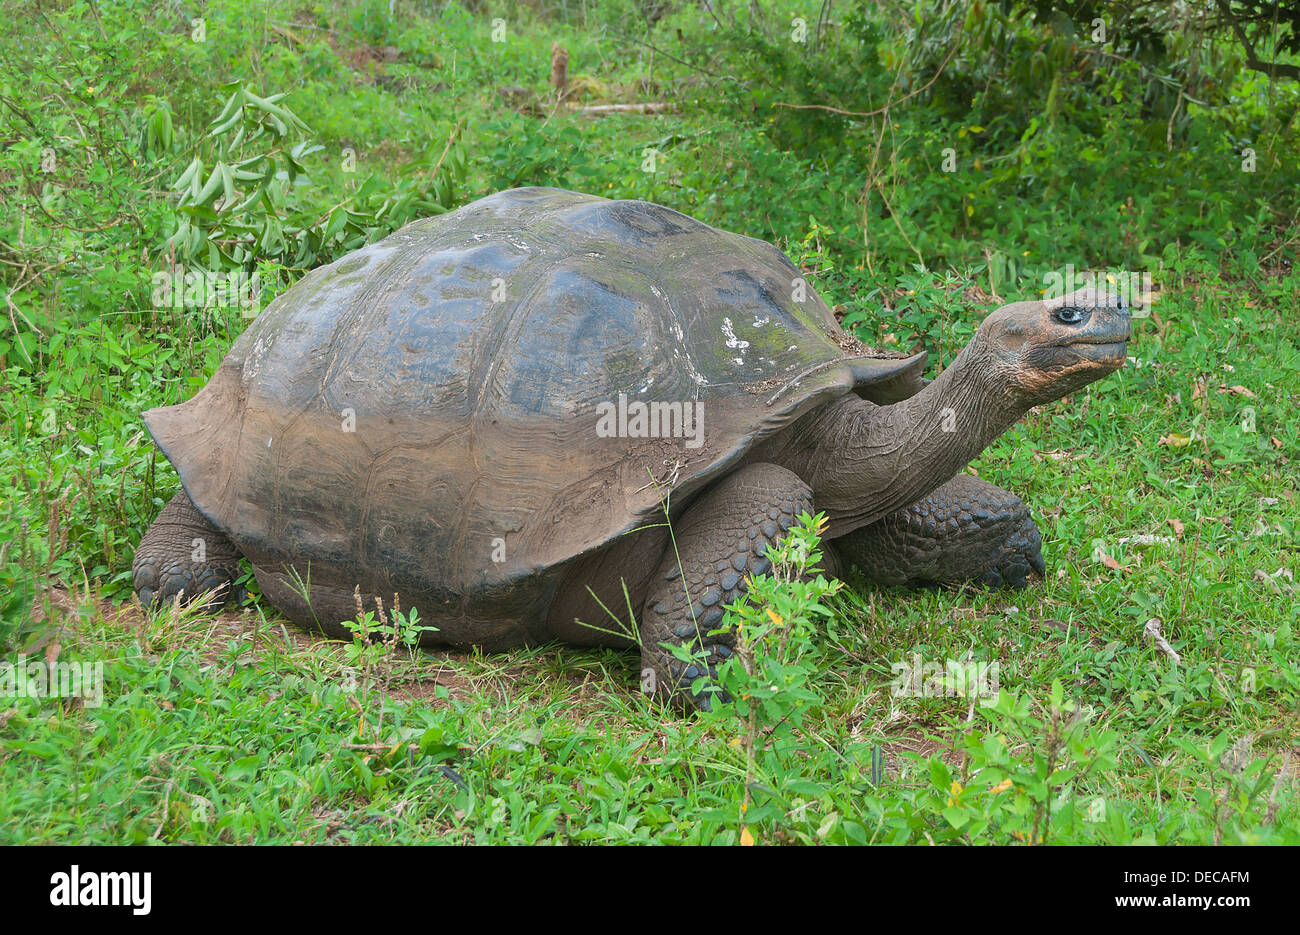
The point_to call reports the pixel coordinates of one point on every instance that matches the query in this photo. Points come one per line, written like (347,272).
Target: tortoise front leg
(183,552)
(966,530)
(722,538)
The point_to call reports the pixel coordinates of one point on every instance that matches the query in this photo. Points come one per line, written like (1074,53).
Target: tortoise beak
(1103,335)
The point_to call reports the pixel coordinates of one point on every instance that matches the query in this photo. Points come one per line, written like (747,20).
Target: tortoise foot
(721,540)
(1020,556)
(184,554)
(968,531)
(683,676)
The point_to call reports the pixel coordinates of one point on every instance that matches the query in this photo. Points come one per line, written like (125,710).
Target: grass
(1166,491)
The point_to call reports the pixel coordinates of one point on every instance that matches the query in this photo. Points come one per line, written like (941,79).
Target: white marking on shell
(730,332)
(760,322)
(256,356)
(699,378)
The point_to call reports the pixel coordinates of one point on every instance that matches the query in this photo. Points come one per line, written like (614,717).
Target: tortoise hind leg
(721,538)
(967,530)
(183,552)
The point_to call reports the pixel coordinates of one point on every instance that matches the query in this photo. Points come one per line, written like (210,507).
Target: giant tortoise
(488,413)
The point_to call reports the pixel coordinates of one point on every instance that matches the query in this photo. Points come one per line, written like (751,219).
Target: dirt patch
(424,690)
(899,742)
(897,753)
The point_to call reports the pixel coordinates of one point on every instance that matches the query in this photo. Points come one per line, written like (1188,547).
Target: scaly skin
(967,530)
(722,538)
(164,563)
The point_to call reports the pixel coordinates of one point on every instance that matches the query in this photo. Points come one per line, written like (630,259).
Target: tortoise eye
(1071,314)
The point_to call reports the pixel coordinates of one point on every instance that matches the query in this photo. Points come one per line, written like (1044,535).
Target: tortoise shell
(424,416)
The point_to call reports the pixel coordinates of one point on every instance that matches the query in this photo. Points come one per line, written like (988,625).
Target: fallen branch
(379,747)
(1152,629)
(655,107)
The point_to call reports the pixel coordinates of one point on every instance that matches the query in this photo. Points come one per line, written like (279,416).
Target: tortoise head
(1043,350)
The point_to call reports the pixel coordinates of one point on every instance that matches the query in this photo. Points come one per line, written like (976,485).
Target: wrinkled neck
(868,460)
